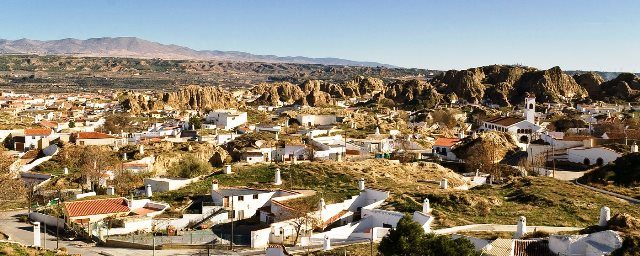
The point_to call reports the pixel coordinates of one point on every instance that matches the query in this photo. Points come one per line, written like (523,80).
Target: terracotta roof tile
(93,135)
(97,206)
(446,142)
(504,120)
(37,132)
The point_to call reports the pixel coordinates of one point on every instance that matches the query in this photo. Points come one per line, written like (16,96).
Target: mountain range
(139,48)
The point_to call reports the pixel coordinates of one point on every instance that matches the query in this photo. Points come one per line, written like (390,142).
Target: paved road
(23,233)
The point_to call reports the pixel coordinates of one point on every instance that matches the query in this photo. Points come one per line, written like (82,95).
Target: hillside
(140,48)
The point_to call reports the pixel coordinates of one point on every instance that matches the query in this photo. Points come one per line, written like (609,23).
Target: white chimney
(66,171)
(141,149)
(277,179)
(361,184)
(521,229)
(227,169)
(277,135)
(111,191)
(426,208)
(605,215)
(377,130)
(214,186)
(326,245)
(36,234)
(321,205)
(444,184)
(634,148)
(147,191)
(461,135)
(124,157)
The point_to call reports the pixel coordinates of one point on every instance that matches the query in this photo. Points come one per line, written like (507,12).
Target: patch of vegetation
(624,173)
(190,167)
(21,250)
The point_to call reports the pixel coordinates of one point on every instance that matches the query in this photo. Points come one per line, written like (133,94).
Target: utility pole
(233,216)
(58,221)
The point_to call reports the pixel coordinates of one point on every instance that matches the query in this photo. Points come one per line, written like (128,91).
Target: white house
(590,155)
(32,138)
(442,148)
(227,119)
(314,120)
(244,202)
(521,129)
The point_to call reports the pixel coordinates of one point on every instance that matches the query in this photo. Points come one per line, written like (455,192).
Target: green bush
(190,167)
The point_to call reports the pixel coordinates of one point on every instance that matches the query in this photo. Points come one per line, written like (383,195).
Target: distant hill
(140,48)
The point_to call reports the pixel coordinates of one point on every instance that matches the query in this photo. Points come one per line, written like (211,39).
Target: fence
(198,237)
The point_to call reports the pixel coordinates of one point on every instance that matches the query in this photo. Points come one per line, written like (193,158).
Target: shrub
(190,167)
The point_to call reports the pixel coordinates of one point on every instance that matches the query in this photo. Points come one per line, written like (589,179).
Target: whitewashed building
(227,119)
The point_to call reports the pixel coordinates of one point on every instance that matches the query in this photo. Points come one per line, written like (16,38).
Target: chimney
(124,157)
(461,135)
(521,229)
(605,215)
(214,185)
(66,171)
(444,184)
(321,205)
(426,208)
(277,179)
(148,192)
(634,148)
(141,148)
(361,184)
(111,191)
(326,245)
(227,169)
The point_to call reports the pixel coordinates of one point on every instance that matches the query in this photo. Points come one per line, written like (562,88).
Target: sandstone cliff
(625,87)
(591,82)
(191,97)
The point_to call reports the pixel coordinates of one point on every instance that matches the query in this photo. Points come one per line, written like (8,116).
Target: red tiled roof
(37,132)
(504,120)
(93,135)
(97,206)
(446,142)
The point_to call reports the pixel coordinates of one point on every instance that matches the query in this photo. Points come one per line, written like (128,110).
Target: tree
(93,162)
(195,122)
(299,215)
(72,124)
(190,167)
(115,123)
(126,181)
(408,238)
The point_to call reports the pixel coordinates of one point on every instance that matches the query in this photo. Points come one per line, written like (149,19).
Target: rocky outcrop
(191,97)
(467,84)
(591,82)
(412,93)
(550,85)
(273,93)
(625,87)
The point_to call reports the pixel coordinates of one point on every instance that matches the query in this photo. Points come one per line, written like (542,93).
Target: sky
(573,34)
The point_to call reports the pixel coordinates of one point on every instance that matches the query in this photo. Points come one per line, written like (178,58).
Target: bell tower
(530,109)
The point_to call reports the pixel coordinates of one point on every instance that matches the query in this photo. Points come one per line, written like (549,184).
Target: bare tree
(301,217)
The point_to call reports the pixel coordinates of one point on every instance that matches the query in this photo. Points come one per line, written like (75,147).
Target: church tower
(530,109)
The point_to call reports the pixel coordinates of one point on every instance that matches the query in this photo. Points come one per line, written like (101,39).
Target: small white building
(227,119)
(442,147)
(590,155)
(244,202)
(314,120)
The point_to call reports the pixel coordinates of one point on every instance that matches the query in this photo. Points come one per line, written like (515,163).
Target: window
(240,198)
(530,105)
(255,196)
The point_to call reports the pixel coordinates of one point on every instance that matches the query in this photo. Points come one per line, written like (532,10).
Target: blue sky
(573,34)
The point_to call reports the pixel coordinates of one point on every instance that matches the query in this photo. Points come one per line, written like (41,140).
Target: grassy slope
(544,201)
(19,250)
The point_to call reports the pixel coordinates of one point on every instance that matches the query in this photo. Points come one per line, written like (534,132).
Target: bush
(408,238)
(190,167)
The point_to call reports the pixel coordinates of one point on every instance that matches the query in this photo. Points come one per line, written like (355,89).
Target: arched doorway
(599,161)
(524,139)
(587,161)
